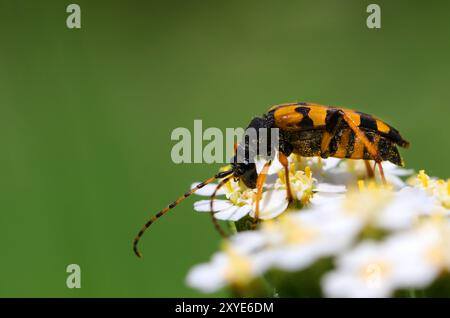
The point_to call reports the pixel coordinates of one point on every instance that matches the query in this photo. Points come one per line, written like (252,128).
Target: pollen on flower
(238,193)
(308,172)
(301,183)
(423,178)
(370,185)
(361,185)
(438,188)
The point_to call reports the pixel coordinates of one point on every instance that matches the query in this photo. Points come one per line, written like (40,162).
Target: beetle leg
(358,132)
(259,187)
(284,161)
(370,171)
(380,167)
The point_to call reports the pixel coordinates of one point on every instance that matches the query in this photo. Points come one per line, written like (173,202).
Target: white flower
(298,239)
(327,194)
(238,203)
(413,259)
(348,172)
(234,266)
(292,242)
(274,168)
(304,188)
(301,183)
(241,200)
(335,206)
(380,207)
(439,189)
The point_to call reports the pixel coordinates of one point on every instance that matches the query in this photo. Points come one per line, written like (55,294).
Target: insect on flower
(308,130)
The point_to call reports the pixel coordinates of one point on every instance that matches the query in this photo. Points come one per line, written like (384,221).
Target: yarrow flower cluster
(346,234)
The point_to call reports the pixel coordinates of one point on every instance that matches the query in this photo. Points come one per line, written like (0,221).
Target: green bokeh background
(86,117)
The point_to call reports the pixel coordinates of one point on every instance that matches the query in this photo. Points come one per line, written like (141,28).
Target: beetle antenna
(211,204)
(172,205)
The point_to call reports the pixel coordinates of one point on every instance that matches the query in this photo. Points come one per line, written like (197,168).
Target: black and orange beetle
(309,130)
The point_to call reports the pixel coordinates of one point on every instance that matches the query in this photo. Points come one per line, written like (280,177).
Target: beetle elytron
(309,130)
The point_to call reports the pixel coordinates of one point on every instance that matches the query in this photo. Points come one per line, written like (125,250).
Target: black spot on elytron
(368,122)
(332,119)
(394,135)
(306,122)
(303,110)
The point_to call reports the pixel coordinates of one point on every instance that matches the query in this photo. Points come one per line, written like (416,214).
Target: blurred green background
(86,117)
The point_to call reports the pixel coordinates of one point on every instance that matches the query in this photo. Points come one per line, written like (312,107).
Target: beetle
(309,130)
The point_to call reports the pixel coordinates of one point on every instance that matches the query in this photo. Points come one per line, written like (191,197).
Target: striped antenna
(220,175)
(211,205)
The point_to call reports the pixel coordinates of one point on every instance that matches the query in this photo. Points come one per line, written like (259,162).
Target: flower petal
(205,205)
(233,213)
(208,189)
(390,168)
(330,188)
(275,166)
(326,198)
(330,163)
(272,204)
(208,277)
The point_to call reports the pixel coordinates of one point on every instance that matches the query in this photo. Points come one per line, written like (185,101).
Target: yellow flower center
(238,193)
(442,192)
(368,200)
(301,182)
(374,272)
(423,178)
(436,255)
(293,231)
(238,272)
(440,189)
